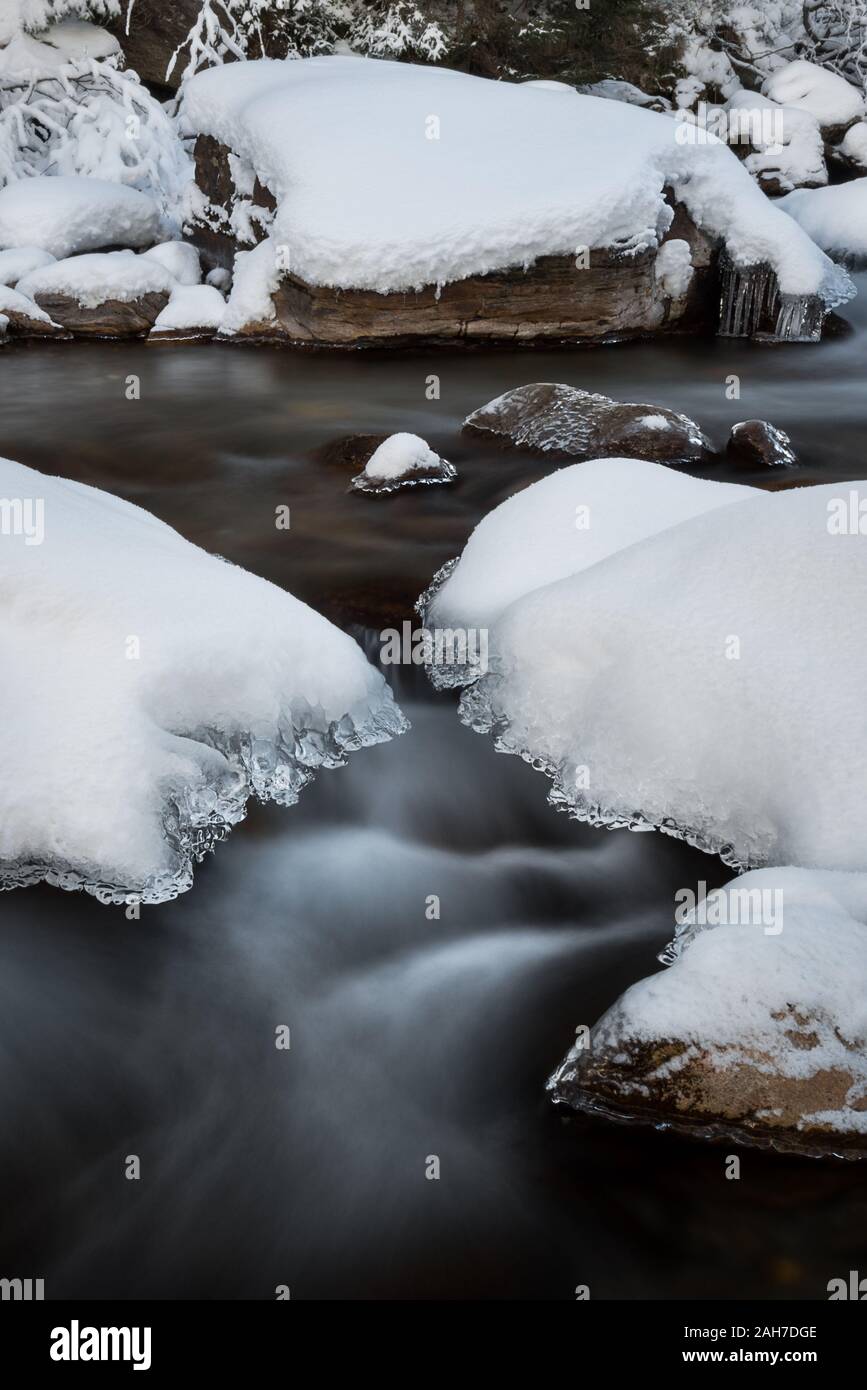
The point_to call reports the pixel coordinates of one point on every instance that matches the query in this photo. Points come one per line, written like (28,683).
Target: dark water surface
(410,1037)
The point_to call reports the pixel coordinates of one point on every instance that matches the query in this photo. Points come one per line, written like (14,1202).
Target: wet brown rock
(735,1092)
(566,422)
(114,318)
(758,444)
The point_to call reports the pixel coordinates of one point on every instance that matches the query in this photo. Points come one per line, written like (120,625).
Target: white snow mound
(179,258)
(835,217)
(20,261)
(391,176)
(68,214)
(707,680)
(824,94)
(192,307)
(149,690)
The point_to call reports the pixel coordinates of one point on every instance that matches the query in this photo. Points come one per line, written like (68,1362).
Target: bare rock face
(149,35)
(758,444)
(114,318)
(566,422)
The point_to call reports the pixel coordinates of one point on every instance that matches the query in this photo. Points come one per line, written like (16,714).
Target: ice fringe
(196,820)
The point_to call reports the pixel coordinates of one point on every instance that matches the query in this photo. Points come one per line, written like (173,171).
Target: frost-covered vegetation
(67,106)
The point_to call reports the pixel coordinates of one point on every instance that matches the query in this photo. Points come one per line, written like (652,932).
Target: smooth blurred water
(409,1037)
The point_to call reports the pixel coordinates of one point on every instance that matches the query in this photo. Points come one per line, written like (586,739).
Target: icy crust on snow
(150,689)
(558,527)
(92,279)
(707,681)
(391,176)
(835,217)
(790,1001)
(67,214)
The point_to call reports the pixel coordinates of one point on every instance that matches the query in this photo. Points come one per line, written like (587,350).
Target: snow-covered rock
(698,681)
(758,444)
(149,690)
(179,258)
(852,149)
(104,294)
(92,279)
(560,526)
(20,261)
(76,39)
(66,215)
(566,422)
(835,217)
(193,311)
(24,316)
(615,90)
(402,460)
(833,101)
(758,1029)
(788,150)
(376,191)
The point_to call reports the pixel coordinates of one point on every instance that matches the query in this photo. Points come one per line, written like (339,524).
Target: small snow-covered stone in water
(24,315)
(824,94)
(402,460)
(194,311)
(17,263)
(756,444)
(673,267)
(107,294)
(566,422)
(69,214)
(835,218)
(149,691)
(758,1029)
(179,258)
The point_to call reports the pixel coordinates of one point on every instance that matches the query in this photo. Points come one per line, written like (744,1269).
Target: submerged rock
(566,422)
(756,1032)
(756,443)
(402,460)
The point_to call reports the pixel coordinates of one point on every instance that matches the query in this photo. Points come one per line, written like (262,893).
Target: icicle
(800,318)
(751,306)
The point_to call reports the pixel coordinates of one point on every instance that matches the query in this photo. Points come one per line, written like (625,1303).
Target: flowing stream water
(409,1037)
